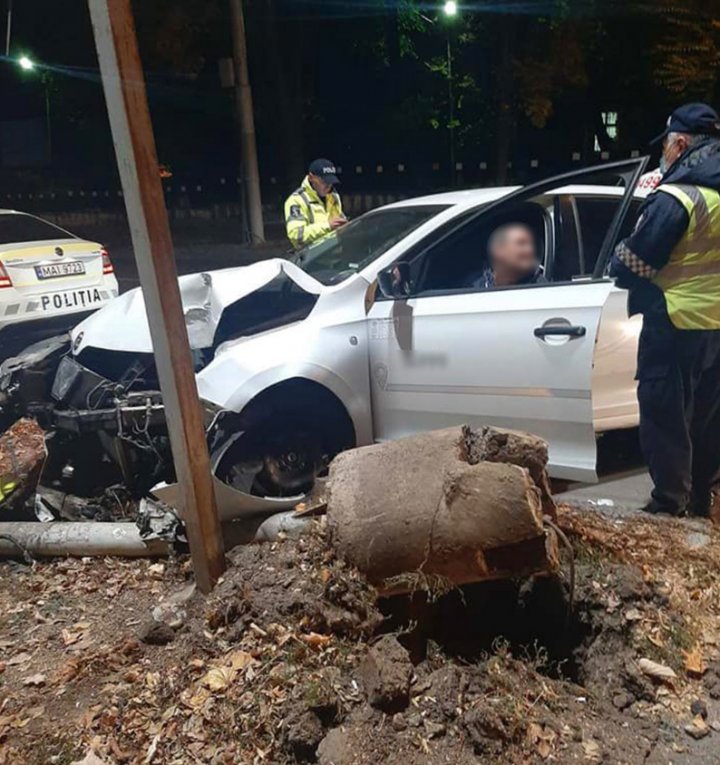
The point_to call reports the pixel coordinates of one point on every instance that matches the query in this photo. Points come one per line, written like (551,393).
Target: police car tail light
(108,267)
(5,280)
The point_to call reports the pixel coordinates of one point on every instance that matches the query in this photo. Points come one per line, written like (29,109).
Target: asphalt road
(624,485)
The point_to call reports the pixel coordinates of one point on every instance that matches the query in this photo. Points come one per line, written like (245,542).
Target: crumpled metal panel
(231,503)
(122,325)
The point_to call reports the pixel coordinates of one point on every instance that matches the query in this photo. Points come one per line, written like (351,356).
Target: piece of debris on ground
(293,659)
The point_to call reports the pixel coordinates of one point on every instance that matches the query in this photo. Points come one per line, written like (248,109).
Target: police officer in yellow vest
(671,265)
(315,210)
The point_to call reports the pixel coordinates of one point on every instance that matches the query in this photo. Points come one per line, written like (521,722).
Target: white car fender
(332,355)
(352,399)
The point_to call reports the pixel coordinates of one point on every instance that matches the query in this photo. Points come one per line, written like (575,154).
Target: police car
(49,280)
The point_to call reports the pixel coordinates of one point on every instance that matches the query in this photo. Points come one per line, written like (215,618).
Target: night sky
(363,82)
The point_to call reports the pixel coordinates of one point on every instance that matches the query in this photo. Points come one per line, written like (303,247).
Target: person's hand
(336,223)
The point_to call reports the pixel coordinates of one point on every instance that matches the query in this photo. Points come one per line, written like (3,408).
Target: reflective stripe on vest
(308,204)
(691,279)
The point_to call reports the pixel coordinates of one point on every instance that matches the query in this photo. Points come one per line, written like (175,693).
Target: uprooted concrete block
(22,455)
(417,509)
(386,673)
(514,448)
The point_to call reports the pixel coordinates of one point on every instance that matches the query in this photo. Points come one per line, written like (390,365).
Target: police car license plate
(71,301)
(73,268)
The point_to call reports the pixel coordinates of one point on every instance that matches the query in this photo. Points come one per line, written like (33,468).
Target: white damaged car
(373,335)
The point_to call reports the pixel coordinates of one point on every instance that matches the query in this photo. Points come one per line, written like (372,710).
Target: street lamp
(28,65)
(449,10)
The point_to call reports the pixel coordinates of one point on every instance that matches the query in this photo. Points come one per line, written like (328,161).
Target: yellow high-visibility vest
(691,279)
(307,216)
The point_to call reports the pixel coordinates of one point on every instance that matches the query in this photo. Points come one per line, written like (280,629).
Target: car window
(362,241)
(16,227)
(459,261)
(594,215)
(449,259)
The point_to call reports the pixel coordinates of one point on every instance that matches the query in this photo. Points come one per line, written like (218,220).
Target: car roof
(473,197)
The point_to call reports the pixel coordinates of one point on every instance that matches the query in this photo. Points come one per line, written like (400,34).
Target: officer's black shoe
(654,507)
(700,505)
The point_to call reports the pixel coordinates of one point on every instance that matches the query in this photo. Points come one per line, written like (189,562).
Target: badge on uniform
(296,213)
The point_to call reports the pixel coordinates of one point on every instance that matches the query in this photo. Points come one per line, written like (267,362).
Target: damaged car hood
(206,297)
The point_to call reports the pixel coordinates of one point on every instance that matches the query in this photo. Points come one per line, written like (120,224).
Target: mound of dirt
(292,660)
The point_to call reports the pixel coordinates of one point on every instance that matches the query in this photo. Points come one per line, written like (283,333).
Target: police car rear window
(16,228)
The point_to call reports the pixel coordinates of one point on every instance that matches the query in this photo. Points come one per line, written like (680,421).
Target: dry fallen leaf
(694,662)
(21,658)
(38,679)
(157,570)
(218,678)
(698,728)
(239,660)
(592,750)
(317,641)
(656,671)
(541,738)
(90,759)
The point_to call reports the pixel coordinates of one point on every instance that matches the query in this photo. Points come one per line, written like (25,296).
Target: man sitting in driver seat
(512,259)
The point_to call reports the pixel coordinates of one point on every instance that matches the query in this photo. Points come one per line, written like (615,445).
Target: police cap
(324,169)
(693,119)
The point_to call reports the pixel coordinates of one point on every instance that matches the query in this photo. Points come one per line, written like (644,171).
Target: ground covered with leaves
(292,659)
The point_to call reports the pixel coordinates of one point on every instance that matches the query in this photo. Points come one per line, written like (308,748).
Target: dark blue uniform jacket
(661,224)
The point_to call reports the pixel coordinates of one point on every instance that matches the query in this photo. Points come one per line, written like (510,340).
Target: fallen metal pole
(92,539)
(49,540)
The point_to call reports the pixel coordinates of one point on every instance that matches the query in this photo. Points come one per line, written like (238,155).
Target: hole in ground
(530,617)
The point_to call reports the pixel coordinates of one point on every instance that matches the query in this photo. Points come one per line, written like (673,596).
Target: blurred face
(514,253)
(320,185)
(674,146)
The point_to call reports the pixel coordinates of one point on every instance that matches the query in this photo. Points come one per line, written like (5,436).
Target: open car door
(447,352)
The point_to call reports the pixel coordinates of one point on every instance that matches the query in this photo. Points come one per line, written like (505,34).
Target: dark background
(363,82)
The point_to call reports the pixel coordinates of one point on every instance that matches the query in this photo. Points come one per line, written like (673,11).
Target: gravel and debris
(292,659)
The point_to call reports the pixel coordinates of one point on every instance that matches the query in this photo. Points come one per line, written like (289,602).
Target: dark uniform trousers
(679,396)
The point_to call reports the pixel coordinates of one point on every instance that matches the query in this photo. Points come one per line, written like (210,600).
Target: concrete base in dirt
(420,510)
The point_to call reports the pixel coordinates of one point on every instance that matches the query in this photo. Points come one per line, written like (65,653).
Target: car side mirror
(395,282)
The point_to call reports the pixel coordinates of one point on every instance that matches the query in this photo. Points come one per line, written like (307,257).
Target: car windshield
(16,227)
(354,246)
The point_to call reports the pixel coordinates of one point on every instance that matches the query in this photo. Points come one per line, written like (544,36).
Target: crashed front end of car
(97,390)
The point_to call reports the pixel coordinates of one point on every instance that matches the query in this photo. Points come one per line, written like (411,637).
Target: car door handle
(560,330)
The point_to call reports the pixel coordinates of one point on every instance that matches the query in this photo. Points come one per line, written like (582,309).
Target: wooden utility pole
(124,85)
(246,117)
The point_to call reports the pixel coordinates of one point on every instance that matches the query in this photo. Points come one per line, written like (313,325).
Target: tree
(687,51)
